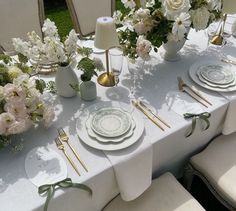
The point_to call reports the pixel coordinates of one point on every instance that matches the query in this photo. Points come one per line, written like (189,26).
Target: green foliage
(75,87)
(88,67)
(5,58)
(4,77)
(40,85)
(85,51)
(51,87)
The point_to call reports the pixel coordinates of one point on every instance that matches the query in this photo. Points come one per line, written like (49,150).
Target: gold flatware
(194,93)
(64,137)
(61,147)
(153,113)
(136,104)
(229,61)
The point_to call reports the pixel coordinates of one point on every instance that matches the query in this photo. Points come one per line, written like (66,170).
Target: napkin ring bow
(50,189)
(202,116)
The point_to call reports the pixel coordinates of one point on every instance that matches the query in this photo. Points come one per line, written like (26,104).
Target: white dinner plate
(113,139)
(216,73)
(110,122)
(210,61)
(225,86)
(110,146)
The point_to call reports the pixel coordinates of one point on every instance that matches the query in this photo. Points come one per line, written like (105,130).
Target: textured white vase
(88,90)
(64,77)
(171,50)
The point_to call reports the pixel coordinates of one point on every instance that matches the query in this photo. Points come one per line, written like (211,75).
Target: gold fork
(61,147)
(63,136)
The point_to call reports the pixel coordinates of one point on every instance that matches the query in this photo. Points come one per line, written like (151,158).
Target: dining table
(128,170)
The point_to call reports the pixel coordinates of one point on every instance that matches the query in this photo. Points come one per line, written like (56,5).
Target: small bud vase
(171,50)
(66,76)
(88,90)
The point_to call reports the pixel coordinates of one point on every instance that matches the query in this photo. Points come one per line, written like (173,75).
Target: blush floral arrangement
(147,23)
(22,104)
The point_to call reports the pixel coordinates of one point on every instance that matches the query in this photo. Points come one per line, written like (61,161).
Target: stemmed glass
(116,62)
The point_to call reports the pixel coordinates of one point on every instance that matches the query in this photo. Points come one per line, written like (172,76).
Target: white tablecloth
(171,149)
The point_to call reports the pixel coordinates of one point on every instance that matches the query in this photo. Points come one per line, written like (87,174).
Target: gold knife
(154,114)
(190,92)
(136,104)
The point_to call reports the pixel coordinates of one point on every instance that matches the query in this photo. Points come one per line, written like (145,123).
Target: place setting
(214,74)
(109,126)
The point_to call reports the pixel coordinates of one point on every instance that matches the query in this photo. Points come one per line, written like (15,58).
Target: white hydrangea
(200,18)
(21,46)
(71,43)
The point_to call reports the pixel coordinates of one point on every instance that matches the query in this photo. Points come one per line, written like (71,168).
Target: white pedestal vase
(171,50)
(88,90)
(64,77)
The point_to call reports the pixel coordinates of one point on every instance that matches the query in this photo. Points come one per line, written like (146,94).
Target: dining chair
(164,194)
(216,166)
(18,18)
(84,13)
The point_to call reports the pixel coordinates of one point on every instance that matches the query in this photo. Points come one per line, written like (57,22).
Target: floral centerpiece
(147,23)
(50,49)
(22,105)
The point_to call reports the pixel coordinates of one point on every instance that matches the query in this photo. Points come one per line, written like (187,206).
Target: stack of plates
(107,126)
(213,74)
(216,75)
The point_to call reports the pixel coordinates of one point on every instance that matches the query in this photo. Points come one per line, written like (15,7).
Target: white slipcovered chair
(165,194)
(19,17)
(84,13)
(216,166)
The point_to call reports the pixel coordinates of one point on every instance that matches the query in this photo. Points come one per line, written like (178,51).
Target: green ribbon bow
(50,189)
(202,116)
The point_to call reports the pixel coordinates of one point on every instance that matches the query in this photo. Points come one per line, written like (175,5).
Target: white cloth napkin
(229,125)
(133,168)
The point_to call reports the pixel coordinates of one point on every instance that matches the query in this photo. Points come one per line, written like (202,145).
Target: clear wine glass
(116,62)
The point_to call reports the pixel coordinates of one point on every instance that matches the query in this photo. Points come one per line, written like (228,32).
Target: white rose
(173,8)
(142,13)
(200,18)
(143,47)
(214,5)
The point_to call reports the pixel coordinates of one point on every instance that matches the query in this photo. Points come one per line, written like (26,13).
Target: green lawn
(60,15)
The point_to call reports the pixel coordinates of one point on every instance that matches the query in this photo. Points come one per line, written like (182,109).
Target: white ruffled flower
(200,18)
(14,72)
(143,47)
(6,120)
(142,13)
(180,26)
(129,4)
(143,21)
(20,126)
(173,8)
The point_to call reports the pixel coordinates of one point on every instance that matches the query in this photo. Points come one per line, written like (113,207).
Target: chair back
(19,17)
(84,13)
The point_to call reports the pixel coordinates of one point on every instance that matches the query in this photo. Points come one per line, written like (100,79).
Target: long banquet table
(171,150)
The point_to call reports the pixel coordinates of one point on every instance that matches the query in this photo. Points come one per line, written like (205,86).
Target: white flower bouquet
(50,49)
(147,23)
(22,105)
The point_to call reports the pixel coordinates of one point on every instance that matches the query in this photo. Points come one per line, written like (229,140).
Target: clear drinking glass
(116,62)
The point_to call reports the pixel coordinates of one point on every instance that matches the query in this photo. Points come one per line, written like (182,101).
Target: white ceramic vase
(88,90)
(64,77)
(171,50)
